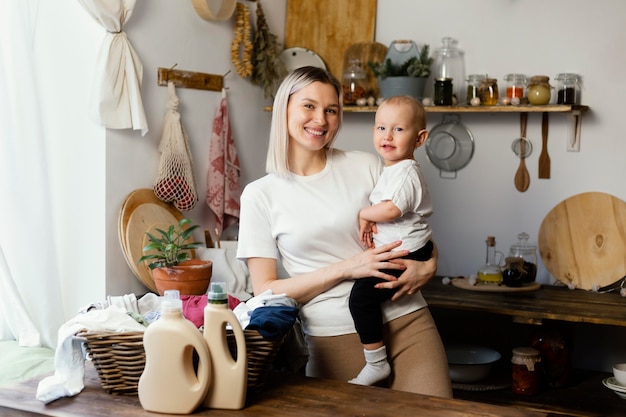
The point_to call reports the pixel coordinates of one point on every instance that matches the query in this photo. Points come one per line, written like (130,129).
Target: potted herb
(170,257)
(406,78)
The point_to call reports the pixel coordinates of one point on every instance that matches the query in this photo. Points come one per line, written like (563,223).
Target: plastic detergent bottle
(230,375)
(169,382)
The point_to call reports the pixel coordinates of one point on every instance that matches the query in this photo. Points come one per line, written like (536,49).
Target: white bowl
(619,372)
(470,363)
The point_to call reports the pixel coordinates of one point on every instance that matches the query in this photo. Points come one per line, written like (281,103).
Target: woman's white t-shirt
(312,221)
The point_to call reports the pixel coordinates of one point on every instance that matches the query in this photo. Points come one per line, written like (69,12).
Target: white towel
(69,357)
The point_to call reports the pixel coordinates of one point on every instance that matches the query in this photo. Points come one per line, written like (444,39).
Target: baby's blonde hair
(419,114)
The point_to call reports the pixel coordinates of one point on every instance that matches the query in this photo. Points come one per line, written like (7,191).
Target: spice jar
(488,91)
(539,90)
(473,86)
(354,79)
(516,85)
(443,92)
(526,370)
(568,89)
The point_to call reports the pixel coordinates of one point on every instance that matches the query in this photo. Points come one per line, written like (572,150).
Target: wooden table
(284,396)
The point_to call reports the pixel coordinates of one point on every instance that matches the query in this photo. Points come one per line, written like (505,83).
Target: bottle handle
(204,364)
(499,258)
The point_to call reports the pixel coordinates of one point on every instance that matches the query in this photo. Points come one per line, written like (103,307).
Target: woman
(305,211)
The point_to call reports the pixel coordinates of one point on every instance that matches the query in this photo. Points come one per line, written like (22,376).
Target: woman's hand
(370,262)
(416,275)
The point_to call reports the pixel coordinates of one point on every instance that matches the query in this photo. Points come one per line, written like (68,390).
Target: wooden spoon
(522,178)
(544,158)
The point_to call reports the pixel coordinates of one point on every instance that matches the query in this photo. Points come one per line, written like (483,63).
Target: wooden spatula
(544,158)
(522,178)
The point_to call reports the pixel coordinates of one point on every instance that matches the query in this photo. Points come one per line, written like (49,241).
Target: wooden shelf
(549,302)
(503,320)
(550,108)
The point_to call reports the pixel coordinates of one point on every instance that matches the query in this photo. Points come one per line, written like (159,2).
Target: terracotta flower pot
(191,277)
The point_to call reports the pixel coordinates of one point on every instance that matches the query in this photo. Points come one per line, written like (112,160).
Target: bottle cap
(218,293)
(171,301)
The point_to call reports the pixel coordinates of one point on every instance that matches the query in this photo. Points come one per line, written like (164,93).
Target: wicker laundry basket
(119,358)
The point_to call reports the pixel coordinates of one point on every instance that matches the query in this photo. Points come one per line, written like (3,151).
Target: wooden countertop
(285,396)
(548,302)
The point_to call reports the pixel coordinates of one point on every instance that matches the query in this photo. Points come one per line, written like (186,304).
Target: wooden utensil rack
(191,79)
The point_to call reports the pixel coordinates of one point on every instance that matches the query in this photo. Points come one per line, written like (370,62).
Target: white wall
(498,37)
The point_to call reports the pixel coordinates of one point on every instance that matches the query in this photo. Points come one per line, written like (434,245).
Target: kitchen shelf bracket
(573,140)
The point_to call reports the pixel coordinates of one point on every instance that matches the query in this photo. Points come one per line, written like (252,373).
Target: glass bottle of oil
(490,272)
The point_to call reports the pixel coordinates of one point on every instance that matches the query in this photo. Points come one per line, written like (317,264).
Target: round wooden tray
(464,283)
(582,240)
(142,212)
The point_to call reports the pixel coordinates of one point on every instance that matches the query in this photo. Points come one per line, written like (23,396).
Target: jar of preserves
(539,90)
(488,92)
(473,86)
(568,89)
(515,85)
(526,375)
(443,92)
(354,79)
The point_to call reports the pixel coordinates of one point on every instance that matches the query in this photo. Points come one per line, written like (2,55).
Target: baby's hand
(366,230)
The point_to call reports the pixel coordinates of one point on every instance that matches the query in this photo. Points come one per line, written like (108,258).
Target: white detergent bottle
(169,382)
(230,376)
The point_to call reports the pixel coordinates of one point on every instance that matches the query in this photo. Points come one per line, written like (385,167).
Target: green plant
(416,66)
(171,247)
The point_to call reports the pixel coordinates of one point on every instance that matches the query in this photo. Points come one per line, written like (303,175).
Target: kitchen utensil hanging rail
(190,79)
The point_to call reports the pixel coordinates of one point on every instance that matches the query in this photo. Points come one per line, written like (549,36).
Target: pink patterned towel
(223,188)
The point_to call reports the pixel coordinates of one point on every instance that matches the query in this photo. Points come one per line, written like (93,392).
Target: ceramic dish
(297,57)
(450,145)
(612,383)
(617,389)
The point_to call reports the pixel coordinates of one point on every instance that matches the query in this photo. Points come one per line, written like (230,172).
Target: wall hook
(190,79)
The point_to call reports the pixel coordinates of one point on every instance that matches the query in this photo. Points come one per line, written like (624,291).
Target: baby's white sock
(376,367)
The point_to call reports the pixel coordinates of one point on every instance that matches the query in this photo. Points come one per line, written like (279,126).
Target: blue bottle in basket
(230,376)
(169,382)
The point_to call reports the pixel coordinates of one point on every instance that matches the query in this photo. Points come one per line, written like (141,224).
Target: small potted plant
(170,258)
(406,78)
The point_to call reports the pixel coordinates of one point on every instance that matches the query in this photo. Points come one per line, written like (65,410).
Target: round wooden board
(146,218)
(134,200)
(366,52)
(582,240)
(462,282)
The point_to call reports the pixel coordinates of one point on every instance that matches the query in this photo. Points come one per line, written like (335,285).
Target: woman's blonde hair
(277,161)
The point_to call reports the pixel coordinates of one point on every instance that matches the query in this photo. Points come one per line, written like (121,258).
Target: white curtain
(30,289)
(117,97)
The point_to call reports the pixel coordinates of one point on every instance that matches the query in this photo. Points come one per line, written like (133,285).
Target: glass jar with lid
(521,264)
(515,85)
(568,89)
(539,90)
(449,62)
(354,83)
(526,363)
(488,91)
(473,86)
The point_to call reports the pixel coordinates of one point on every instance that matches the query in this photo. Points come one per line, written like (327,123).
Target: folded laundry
(273,322)
(69,357)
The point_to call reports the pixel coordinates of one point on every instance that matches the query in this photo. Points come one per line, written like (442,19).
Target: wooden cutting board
(329,27)
(582,240)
